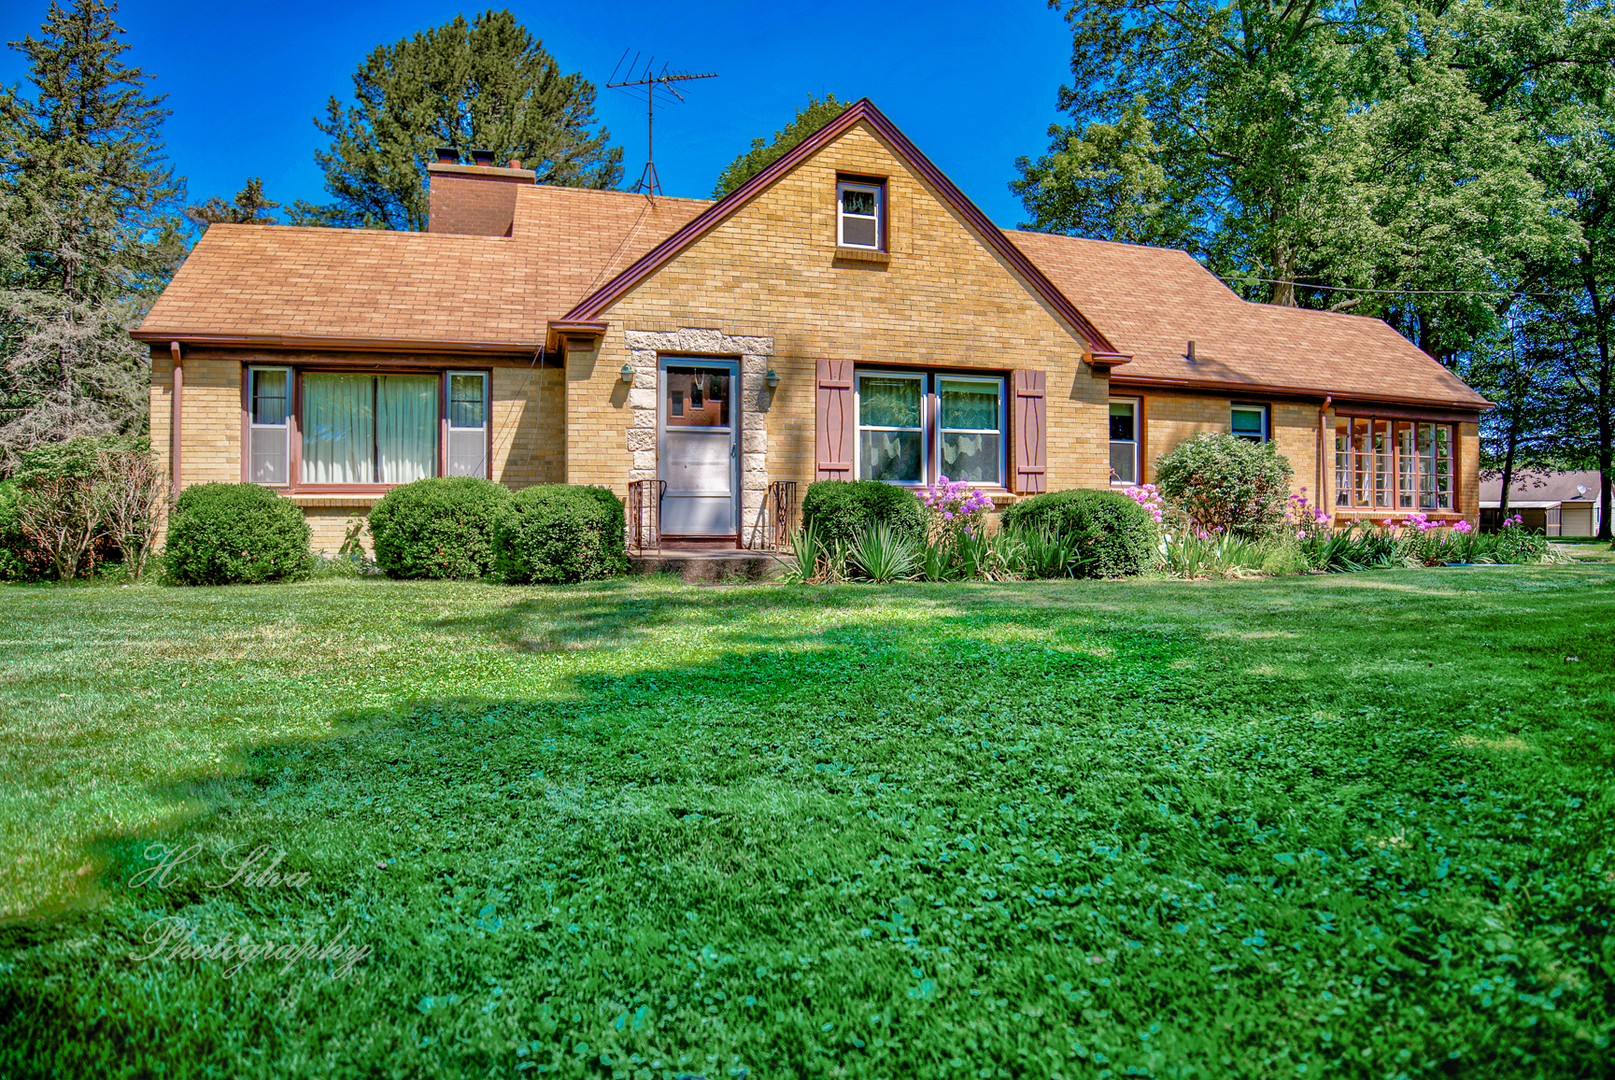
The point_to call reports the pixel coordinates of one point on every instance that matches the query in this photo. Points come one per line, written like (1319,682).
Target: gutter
(337,344)
(1224,386)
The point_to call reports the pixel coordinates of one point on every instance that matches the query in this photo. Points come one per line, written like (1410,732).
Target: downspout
(174,425)
(1323,448)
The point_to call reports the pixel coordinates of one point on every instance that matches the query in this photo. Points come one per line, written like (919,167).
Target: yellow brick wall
(944,300)
(529,426)
(1169,419)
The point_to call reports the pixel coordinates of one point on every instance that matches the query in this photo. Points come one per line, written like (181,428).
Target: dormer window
(859,212)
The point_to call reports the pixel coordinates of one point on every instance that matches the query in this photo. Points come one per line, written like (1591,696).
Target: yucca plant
(938,561)
(808,550)
(1049,553)
(881,554)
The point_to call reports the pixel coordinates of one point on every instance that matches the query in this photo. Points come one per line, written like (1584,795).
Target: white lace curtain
(369,429)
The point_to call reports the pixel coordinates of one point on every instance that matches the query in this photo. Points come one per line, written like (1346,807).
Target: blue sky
(972,84)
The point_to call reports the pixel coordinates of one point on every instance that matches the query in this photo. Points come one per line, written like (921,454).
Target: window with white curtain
(358,428)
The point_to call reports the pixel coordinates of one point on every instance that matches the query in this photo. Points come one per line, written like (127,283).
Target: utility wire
(1387,292)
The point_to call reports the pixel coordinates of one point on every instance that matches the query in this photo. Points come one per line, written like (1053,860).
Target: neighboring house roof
(277,284)
(863,110)
(1154,301)
(1531,488)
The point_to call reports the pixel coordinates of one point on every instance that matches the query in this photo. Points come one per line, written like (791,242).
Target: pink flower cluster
(1515,522)
(1308,520)
(1150,498)
(956,505)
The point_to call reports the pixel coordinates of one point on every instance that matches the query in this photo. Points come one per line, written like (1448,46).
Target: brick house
(846,313)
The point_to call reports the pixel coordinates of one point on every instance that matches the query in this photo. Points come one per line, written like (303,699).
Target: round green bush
(19,559)
(1225,483)
(235,534)
(842,509)
(1122,534)
(555,533)
(438,528)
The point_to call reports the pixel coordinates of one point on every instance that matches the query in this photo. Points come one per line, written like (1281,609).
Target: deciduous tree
(809,118)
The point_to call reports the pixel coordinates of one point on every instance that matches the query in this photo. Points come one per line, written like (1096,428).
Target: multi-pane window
(1393,464)
(358,428)
(269,393)
(468,423)
(916,427)
(858,214)
(1248,422)
(1124,442)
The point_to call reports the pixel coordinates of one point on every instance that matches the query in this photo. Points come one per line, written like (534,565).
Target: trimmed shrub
(1119,535)
(438,528)
(1226,484)
(555,533)
(235,534)
(844,509)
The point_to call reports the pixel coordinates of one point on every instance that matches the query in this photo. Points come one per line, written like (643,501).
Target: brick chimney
(473,200)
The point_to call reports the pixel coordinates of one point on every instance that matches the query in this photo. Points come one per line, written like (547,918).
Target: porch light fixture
(627,372)
(772,378)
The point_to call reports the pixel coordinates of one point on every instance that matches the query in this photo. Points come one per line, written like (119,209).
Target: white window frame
(1138,409)
(450,429)
(284,427)
(937,378)
(930,429)
(879,216)
(1260,410)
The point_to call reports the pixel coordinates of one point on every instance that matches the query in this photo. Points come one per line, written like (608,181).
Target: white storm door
(698,426)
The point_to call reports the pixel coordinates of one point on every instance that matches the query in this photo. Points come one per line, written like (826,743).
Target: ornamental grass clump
(1226,484)
(441,527)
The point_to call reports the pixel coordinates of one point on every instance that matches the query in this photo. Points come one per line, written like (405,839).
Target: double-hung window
(1248,422)
(858,215)
(1124,441)
(916,427)
(343,428)
(1393,464)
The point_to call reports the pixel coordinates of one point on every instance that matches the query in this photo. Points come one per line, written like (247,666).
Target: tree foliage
(809,118)
(89,233)
(250,207)
(486,84)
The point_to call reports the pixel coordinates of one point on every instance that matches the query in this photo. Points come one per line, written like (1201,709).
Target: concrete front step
(709,567)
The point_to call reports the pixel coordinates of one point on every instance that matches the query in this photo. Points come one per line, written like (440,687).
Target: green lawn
(1352,825)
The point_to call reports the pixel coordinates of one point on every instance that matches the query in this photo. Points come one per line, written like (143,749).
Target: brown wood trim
(176,447)
(344,344)
(1423,408)
(246,428)
(1144,476)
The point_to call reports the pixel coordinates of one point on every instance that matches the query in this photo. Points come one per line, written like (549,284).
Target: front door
(697,446)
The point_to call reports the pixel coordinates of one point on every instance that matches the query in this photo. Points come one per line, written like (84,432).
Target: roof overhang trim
(1342,400)
(338,344)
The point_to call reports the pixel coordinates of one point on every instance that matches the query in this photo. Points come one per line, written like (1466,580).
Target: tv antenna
(648,181)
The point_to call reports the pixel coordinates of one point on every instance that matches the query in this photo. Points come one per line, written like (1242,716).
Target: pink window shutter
(1031,432)
(837,423)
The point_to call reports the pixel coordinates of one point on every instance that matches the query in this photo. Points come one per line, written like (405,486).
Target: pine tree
(88,233)
(250,207)
(487,84)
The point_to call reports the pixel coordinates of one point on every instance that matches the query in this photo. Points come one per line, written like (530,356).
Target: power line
(1390,292)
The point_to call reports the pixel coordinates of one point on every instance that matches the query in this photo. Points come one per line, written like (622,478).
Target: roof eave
(335,343)
(1166,381)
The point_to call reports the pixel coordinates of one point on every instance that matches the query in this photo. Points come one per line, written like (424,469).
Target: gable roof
(863,110)
(356,288)
(1154,301)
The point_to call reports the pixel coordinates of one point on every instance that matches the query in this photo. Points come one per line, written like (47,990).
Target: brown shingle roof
(298,284)
(1151,302)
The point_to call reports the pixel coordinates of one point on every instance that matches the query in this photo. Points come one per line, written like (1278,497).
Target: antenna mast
(648,181)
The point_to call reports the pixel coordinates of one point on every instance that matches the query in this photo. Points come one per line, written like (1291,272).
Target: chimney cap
(482,157)
(448,155)
(515,163)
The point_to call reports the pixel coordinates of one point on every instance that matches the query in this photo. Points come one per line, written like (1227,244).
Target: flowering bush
(953,508)
(1308,521)
(1225,484)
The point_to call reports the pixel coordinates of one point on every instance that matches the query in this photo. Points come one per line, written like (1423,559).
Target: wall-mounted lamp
(627,372)
(772,378)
